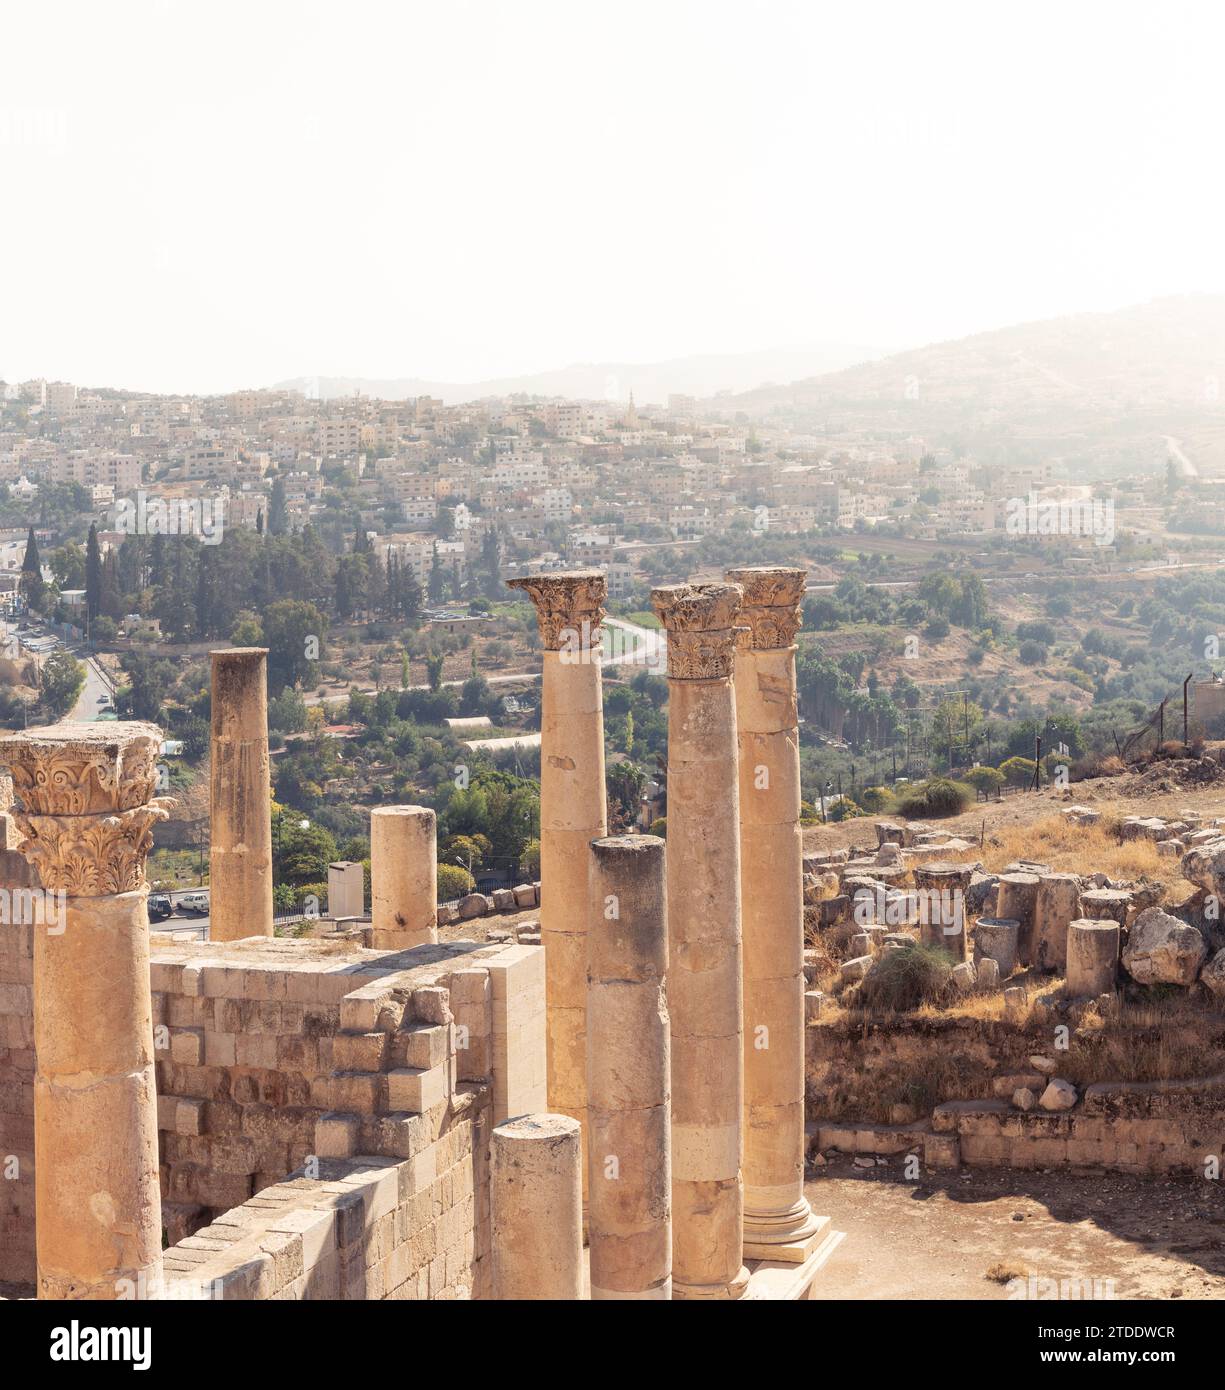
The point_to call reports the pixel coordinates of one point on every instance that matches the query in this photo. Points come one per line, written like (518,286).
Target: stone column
(778,1222)
(704,964)
(942,905)
(1093,957)
(403,877)
(995,939)
(536,1203)
(240,856)
(1056,904)
(1014,902)
(629,1146)
(1102,903)
(569,608)
(87,826)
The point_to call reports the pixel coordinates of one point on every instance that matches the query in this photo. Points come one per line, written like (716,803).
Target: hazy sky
(203,196)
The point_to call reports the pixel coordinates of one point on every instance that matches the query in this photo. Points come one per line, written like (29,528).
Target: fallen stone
(1023,1098)
(1163,950)
(1213,975)
(1043,1065)
(814,1000)
(504,899)
(856,969)
(1059,1095)
(525,895)
(474,905)
(988,974)
(964,976)
(1002,1087)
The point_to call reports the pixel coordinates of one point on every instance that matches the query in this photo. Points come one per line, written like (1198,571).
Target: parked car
(160,907)
(194,902)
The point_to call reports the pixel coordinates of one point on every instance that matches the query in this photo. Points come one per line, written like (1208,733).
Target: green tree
(93,573)
(293,632)
(62,678)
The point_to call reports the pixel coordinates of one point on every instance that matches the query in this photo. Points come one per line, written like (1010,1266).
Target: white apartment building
(418,510)
(120,471)
(340,436)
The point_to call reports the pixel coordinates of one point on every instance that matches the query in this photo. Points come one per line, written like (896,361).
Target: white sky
(204,196)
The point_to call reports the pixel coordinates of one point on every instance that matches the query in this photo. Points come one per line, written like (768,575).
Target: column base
(791,1235)
(781,1282)
(737,1288)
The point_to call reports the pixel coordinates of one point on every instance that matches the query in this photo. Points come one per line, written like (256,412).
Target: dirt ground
(938,1237)
(1110,795)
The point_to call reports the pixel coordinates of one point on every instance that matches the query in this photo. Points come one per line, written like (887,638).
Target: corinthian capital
(772,611)
(91,856)
(83,769)
(569,607)
(701,621)
(88,810)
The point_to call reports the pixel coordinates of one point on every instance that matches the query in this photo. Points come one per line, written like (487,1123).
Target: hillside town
(556,482)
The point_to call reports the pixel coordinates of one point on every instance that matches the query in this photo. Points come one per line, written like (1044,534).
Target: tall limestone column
(704,979)
(240,857)
(570,609)
(87,826)
(628,1062)
(778,1222)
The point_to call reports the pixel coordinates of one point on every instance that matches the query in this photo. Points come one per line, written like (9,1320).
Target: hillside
(1100,389)
(699,375)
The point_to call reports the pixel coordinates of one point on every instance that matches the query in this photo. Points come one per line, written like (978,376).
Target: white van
(193,902)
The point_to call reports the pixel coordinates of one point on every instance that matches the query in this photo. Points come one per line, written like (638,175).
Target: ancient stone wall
(364,1228)
(274,1055)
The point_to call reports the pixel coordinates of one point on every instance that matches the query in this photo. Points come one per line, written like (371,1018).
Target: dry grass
(1079,849)
(1171,1040)
(1002,1273)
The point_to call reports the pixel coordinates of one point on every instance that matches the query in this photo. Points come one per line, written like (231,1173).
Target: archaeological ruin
(620,1103)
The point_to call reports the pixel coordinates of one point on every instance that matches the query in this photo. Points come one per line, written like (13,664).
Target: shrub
(844,809)
(1018,772)
(529,860)
(874,799)
(659,826)
(453,882)
(905,979)
(985,779)
(938,796)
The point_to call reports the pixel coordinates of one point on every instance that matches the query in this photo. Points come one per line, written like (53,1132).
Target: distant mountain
(1108,390)
(703,375)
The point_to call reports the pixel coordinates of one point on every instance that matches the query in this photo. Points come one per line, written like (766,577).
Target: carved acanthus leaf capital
(569,607)
(91,856)
(83,769)
(701,623)
(772,605)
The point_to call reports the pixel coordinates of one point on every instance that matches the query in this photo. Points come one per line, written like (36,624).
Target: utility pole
(1037,762)
(1186,741)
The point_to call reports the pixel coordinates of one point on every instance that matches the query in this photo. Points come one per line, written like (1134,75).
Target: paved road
(96,686)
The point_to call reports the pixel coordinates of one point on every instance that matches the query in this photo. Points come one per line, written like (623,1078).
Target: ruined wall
(364,1228)
(281,1055)
(942,1088)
